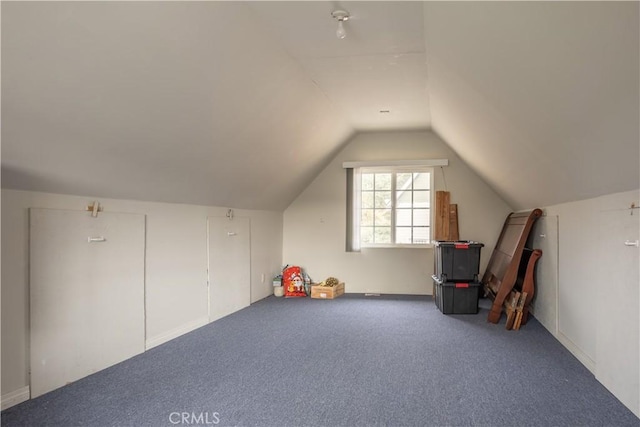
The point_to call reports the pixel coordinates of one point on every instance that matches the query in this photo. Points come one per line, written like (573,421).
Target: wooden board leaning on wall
(446,218)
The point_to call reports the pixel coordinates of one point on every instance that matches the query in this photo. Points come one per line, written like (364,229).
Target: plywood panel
(453,223)
(442,215)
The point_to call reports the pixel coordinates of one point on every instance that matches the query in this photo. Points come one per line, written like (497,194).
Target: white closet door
(618,308)
(87,293)
(229,266)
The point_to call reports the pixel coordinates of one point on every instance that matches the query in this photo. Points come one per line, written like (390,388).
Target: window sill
(425,246)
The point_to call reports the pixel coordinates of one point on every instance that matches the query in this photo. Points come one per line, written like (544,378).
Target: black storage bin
(457,261)
(456,297)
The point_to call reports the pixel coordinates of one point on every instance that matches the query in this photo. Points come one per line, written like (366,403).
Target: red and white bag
(293,282)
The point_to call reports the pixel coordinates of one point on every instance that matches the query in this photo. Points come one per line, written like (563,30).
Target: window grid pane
(421,235)
(421,217)
(404,199)
(382,217)
(382,235)
(367,181)
(366,218)
(421,199)
(382,181)
(366,234)
(421,181)
(382,199)
(403,219)
(403,236)
(367,199)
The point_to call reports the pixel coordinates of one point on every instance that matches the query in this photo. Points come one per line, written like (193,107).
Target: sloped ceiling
(540,98)
(379,66)
(241,104)
(163,101)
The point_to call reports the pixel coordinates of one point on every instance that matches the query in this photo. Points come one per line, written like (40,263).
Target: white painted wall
(544,236)
(176,268)
(315,223)
(312,234)
(583,277)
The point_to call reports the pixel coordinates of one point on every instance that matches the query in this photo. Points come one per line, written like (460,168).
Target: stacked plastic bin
(456,285)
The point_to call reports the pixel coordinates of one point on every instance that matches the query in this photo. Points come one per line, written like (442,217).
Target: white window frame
(353,202)
(352,243)
(357,211)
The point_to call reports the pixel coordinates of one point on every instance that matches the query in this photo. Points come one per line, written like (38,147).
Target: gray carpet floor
(353,361)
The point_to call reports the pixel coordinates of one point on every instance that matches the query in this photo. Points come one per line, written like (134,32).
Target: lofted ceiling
(380,66)
(241,104)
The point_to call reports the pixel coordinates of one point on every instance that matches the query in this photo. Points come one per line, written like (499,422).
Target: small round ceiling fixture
(341,16)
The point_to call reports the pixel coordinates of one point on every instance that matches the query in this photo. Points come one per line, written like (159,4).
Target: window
(389,203)
(394,206)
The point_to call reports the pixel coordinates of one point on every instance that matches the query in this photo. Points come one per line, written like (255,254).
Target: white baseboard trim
(174,333)
(13,398)
(575,350)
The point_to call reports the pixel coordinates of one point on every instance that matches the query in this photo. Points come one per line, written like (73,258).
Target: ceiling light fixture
(341,16)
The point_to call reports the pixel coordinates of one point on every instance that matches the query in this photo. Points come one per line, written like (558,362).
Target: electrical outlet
(262,278)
